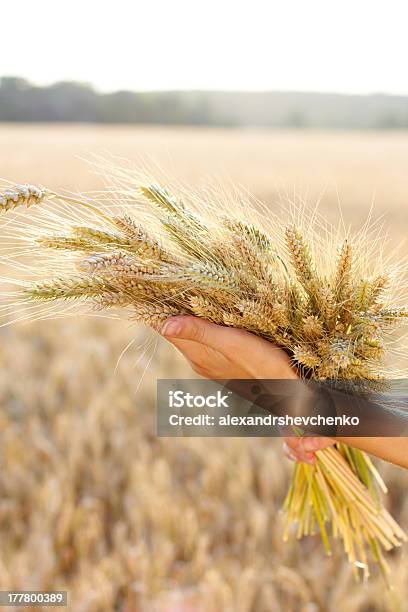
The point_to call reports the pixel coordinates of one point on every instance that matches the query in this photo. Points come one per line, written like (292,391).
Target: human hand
(225,353)
(304,449)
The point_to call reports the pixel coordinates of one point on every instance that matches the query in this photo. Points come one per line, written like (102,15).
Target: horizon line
(202,90)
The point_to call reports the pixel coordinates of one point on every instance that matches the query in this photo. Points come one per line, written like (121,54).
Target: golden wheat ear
(141,242)
(207,308)
(153,314)
(66,243)
(393,314)
(67,288)
(312,327)
(116,264)
(85,239)
(300,256)
(22,195)
(342,279)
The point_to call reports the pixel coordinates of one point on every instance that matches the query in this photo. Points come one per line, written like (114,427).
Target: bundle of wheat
(149,254)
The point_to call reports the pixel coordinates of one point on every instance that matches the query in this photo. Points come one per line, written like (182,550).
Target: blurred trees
(71,101)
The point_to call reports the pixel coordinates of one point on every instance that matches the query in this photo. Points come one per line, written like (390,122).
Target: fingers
(253,357)
(304,449)
(316,443)
(191,328)
(298,455)
(204,360)
(180,327)
(293,448)
(289,453)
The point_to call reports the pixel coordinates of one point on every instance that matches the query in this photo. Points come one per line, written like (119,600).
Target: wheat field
(91,501)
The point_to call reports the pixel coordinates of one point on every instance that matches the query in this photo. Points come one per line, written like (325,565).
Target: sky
(358,46)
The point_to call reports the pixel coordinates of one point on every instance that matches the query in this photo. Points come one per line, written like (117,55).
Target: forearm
(222,353)
(394,450)
(378,415)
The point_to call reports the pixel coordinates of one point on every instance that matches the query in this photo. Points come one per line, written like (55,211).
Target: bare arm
(218,352)
(394,450)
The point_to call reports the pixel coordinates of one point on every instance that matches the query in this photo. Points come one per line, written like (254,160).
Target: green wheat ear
(173,207)
(66,243)
(260,241)
(102,238)
(368,291)
(211,276)
(160,196)
(185,239)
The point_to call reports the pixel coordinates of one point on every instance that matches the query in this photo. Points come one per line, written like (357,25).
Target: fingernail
(171,328)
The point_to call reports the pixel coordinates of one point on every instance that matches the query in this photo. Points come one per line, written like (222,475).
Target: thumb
(316,443)
(192,328)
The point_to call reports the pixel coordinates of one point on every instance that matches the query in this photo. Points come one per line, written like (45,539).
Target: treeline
(78,102)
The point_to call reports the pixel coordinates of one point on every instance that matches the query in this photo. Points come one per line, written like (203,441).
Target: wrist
(282,371)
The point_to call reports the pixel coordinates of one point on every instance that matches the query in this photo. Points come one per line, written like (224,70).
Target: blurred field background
(91,501)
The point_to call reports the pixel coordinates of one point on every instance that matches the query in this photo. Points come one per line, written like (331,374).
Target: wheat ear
(22,195)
